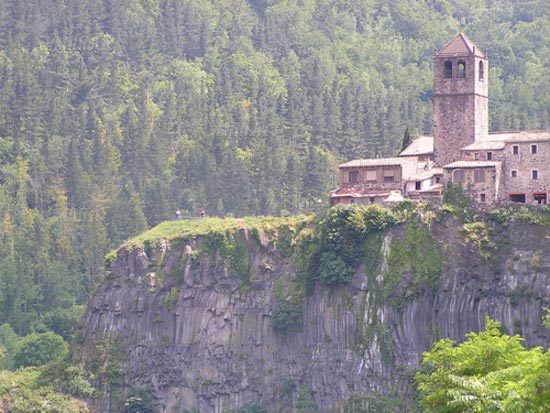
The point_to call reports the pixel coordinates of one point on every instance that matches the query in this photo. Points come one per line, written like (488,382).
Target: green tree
(64,321)
(139,401)
(39,349)
(407,139)
(490,371)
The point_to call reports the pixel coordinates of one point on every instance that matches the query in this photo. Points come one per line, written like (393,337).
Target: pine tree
(407,139)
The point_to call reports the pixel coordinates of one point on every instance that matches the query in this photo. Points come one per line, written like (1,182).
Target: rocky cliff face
(178,318)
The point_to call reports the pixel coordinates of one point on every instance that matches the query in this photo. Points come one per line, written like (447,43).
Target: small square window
(514,174)
(489,156)
(389,175)
(534,149)
(515,150)
(535,174)
(482,198)
(370,176)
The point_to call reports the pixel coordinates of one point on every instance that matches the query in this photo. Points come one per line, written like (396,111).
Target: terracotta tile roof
(357,192)
(519,136)
(426,174)
(374,162)
(423,145)
(436,188)
(472,164)
(460,46)
(484,145)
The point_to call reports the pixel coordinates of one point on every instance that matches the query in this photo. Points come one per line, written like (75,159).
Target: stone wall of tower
(453,123)
(460,111)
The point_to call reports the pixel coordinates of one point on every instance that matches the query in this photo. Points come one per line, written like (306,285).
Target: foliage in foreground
(490,371)
(24,391)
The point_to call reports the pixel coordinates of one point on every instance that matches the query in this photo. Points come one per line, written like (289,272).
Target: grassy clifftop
(406,211)
(173,230)
(372,267)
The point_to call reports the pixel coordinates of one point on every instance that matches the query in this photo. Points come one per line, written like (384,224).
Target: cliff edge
(300,313)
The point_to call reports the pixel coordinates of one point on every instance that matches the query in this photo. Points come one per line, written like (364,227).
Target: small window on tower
(515,150)
(481,71)
(535,174)
(461,70)
(514,174)
(448,69)
(534,149)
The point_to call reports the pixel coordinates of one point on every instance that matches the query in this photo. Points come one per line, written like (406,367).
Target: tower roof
(460,46)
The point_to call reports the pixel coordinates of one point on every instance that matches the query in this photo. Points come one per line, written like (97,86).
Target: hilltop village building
(492,167)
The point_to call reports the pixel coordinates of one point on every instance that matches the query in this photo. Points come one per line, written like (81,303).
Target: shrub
(139,401)
(64,321)
(285,241)
(287,316)
(252,408)
(306,259)
(518,293)
(171,298)
(417,254)
(343,233)
(66,378)
(461,203)
(334,270)
(39,349)
(22,392)
(8,341)
(478,234)
(234,250)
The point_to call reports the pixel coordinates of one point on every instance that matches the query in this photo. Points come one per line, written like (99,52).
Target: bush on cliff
(139,401)
(343,233)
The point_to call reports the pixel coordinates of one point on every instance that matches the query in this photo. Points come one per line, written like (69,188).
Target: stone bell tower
(460,98)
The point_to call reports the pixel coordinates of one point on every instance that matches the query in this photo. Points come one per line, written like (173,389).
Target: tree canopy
(114,114)
(490,371)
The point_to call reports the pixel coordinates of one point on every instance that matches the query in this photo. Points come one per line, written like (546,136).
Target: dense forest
(115,113)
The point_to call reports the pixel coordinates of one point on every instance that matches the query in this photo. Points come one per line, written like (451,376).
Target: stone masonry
(494,168)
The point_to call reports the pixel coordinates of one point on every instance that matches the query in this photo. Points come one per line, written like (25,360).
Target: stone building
(364,181)
(492,167)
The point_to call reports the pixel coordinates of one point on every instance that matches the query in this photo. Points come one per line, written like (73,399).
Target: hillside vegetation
(113,114)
